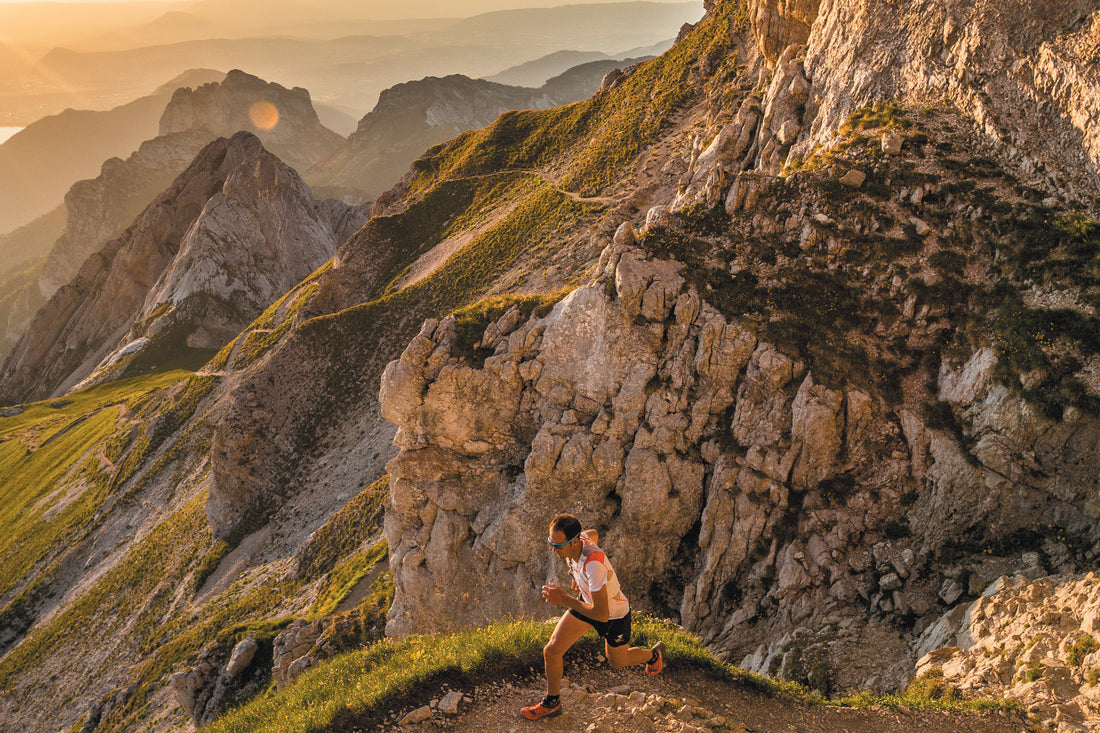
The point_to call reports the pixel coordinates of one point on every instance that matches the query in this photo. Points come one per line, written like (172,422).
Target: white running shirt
(592,571)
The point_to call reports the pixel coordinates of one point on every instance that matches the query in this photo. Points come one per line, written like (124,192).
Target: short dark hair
(568,525)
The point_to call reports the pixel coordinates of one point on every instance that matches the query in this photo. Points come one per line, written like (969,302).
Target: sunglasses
(559,544)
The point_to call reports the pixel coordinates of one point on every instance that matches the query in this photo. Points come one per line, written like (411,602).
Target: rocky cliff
(235,230)
(810,478)
(990,59)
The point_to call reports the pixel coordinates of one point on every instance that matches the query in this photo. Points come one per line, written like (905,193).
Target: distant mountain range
(345,63)
(535,73)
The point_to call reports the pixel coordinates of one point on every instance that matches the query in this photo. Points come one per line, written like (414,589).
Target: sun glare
(264,115)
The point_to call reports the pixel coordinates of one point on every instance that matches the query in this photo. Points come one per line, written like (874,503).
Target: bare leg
(569,629)
(623,656)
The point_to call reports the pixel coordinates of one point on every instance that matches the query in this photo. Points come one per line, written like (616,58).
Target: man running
(602,606)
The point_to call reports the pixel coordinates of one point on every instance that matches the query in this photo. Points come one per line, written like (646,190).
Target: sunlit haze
(63,61)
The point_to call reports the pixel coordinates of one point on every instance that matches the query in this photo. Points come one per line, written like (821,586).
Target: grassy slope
(56,463)
(140,609)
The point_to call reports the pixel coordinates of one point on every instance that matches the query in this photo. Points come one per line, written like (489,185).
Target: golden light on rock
(264,115)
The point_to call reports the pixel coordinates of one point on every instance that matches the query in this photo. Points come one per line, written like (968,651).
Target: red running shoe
(652,668)
(534,712)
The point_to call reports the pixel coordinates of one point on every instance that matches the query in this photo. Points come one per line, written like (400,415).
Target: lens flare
(264,115)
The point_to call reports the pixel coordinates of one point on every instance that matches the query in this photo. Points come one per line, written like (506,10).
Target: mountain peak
(235,230)
(284,119)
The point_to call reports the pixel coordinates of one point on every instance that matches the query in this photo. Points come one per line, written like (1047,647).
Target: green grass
(1078,650)
(250,608)
(344,531)
(1043,246)
(163,635)
(47,454)
(356,690)
(359,687)
(264,333)
(472,320)
(345,576)
(129,593)
(946,702)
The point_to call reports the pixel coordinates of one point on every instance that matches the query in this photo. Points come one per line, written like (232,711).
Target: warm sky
(441,5)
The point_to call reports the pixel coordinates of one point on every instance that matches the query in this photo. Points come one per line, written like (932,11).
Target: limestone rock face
(284,119)
(778,24)
(987,58)
(235,230)
(730,488)
(1035,641)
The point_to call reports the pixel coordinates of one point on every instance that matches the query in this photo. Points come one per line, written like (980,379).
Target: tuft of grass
(472,320)
(345,576)
(1033,672)
(1078,650)
(209,563)
(889,115)
(932,686)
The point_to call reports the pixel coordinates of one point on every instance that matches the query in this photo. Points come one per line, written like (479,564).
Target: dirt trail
(604,701)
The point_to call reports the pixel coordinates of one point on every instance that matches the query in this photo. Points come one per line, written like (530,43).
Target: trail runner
(601,606)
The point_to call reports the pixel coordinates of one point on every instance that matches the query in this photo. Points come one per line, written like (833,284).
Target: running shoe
(652,668)
(534,712)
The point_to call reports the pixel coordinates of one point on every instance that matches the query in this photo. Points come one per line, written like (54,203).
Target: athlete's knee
(552,651)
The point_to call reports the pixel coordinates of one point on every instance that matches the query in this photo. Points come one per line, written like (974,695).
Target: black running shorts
(616,632)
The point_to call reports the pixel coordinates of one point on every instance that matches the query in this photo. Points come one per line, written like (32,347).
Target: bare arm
(593,535)
(597,610)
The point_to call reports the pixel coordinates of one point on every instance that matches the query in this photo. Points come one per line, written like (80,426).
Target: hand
(574,586)
(552,594)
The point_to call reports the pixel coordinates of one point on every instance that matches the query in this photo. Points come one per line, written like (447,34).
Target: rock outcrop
(1036,641)
(236,230)
(732,488)
(283,119)
(988,59)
